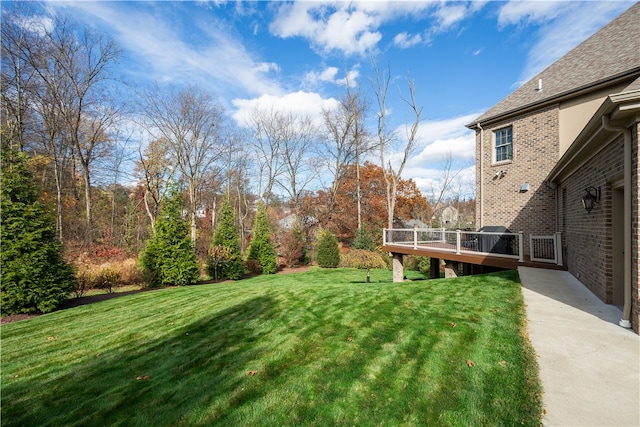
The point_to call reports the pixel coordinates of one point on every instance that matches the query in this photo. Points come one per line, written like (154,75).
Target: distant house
(449,217)
(563,140)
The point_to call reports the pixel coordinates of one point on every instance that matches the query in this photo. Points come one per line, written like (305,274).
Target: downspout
(481,207)
(625,322)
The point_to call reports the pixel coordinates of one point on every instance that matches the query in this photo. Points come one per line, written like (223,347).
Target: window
(504,144)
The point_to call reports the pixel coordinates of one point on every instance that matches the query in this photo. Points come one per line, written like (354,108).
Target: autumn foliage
(338,212)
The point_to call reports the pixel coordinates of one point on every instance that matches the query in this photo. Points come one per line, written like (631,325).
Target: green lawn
(318,348)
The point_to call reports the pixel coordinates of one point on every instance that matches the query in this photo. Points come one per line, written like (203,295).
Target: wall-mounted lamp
(589,200)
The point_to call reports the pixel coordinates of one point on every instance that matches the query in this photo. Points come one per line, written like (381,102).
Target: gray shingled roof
(612,52)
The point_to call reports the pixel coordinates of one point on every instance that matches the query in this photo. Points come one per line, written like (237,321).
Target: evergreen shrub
(168,257)
(328,253)
(261,248)
(227,235)
(34,275)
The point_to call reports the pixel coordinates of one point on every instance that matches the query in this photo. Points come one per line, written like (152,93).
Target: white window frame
(506,145)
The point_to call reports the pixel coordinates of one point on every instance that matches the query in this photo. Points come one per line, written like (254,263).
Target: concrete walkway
(589,366)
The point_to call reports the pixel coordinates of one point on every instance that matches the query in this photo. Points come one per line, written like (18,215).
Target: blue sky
(463,56)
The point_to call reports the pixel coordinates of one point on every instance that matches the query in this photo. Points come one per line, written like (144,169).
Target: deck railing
(499,244)
(506,245)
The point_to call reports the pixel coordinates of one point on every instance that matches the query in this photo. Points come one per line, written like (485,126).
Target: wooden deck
(444,251)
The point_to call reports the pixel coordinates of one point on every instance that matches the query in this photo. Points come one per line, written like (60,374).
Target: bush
(417,263)
(292,247)
(34,275)
(328,253)
(261,248)
(364,240)
(360,258)
(168,257)
(226,235)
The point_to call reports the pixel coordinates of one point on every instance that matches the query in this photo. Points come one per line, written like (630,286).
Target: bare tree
(392,175)
(18,76)
(282,142)
(440,193)
(345,142)
(189,120)
(153,167)
(59,74)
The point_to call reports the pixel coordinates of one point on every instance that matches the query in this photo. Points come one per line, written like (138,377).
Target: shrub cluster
(360,258)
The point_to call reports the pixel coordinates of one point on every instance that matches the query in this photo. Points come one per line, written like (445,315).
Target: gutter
(481,207)
(625,322)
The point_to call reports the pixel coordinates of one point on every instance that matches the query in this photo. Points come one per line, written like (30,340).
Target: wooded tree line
(105,153)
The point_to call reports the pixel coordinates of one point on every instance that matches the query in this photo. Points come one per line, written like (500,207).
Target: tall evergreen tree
(261,247)
(168,257)
(226,235)
(35,276)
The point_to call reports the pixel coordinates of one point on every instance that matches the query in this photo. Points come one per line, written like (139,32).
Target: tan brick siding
(588,236)
(535,152)
(635,228)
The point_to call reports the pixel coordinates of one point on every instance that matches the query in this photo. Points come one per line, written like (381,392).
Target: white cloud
(330,75)
(404,40)
(438,141)
(301,103)
(530,12)
(158,42)
(354,28)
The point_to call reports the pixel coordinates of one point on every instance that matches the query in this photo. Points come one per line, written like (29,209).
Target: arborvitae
(328,251)
(364,240)
(226,235)
(261,247)
(35,276)
(168,257)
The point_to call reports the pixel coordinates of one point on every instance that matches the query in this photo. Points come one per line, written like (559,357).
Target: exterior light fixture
(589,200)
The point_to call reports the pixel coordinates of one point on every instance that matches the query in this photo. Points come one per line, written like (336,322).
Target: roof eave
(623,107)
(563,96)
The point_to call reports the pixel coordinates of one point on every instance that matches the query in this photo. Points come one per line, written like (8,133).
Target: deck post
(398,268)
(521,246)
(434,268)
(457,242)
(451,269)
(415,238)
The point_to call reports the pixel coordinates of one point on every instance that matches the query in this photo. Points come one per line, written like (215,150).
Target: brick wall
(588,236)
(635,228)
(535,152)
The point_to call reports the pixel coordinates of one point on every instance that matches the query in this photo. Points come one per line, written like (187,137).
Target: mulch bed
(90,299)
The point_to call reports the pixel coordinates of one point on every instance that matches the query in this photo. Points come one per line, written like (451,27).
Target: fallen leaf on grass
(142,378)
(350,339)
(544,411)
(252,373)
(454,324)
(51,338)
(502,363)
(470,363)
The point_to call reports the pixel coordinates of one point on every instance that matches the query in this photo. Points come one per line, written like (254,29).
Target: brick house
(571,128)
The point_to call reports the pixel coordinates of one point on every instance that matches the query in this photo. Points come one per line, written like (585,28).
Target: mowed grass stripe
(317,348)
